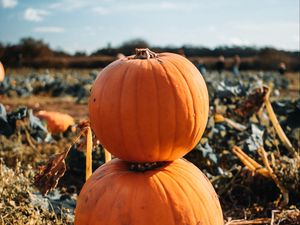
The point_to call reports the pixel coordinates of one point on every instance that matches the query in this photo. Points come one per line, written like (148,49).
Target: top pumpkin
(149,107)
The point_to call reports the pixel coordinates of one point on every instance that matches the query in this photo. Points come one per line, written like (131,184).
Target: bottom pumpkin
(177,193)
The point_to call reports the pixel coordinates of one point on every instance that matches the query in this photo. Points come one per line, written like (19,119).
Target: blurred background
(77,33)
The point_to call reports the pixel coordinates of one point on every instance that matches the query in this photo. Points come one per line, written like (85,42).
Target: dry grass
(16,206)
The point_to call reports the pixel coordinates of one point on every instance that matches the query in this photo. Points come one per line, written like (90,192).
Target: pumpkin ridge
(205,99)
(157,108)
(89,189)
(175,109)
(99,202)
(152,115)
(160,186)
(98,106)
(191,185)
(124,149)
(92,184)
(201,129)
(133,200)
(183,170)
(138,128)
(209,186)
(191,95)
(183,190)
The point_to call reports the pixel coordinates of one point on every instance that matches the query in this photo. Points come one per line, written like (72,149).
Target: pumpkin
(149,107)
(2,72)
(177,193)
(56,122)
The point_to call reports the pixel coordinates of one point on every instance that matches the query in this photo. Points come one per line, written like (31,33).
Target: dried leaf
(49,175)
(252,104)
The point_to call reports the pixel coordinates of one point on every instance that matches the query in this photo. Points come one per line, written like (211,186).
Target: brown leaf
(252,104)
(83,125)
(49,175)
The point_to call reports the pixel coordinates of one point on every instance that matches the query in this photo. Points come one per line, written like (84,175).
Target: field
(247,197)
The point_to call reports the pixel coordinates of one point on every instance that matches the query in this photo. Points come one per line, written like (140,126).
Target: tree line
(31,52)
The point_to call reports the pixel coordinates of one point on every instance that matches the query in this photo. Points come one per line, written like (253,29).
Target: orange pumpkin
(2,72)
(56,121)
(149,107)
(178,193)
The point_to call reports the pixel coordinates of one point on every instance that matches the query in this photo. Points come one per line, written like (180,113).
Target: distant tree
(269,58)
(60,53)
(31,48)
(27,49)
(105,51)
(32,52)
(2,50)
(80,53)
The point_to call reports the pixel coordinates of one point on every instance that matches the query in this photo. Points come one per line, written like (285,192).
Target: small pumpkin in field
(177,193)
(56,122)
(2,72)
(149,107)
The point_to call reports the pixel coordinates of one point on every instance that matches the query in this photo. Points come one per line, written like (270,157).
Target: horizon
(85,26)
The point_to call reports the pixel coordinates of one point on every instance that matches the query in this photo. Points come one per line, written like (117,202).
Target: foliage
(36,53)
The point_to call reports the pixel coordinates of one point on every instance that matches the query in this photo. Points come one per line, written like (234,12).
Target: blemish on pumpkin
(94,99)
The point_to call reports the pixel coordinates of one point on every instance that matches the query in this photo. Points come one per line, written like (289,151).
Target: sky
(87,25)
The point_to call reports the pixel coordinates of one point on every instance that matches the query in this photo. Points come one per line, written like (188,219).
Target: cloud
(101,10)
(104,7)
(49,29)
(238,41)
(35,15)
(145,7)
(211,28)
(69,5)
(9,3)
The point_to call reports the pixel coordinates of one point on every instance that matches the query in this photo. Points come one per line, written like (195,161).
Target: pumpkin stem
(144,53)
(141,167)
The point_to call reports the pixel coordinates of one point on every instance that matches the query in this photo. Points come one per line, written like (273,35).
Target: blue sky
(86,25)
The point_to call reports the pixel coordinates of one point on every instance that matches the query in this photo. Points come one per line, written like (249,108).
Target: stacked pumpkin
(148,110)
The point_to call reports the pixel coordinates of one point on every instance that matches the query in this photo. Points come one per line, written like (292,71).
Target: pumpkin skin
(178,193)
(149,110)
(56,122)
(2,72)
